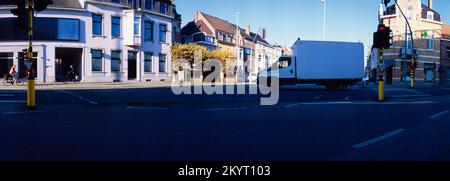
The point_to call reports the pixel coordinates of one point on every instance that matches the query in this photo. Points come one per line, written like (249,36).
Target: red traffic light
(381,27)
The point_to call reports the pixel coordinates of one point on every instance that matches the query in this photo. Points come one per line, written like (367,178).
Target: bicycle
(71,77)
(11,80)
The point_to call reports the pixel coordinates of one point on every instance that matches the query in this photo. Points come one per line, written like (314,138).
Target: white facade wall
(106,43)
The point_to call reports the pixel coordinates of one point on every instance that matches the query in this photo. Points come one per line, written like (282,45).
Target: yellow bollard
(381,91)
(31,97)
(412,82)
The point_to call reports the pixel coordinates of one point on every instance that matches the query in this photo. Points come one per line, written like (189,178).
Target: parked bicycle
(11,80)
(72,77)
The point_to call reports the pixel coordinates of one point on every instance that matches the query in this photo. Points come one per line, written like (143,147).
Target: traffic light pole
(412,43)
(381,79)
(31,93)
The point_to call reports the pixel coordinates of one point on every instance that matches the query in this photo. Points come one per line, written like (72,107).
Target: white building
(104,40)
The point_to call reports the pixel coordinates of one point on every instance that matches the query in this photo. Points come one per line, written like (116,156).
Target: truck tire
(334,86)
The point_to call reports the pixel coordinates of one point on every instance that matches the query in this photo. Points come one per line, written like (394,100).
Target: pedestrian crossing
(13,96)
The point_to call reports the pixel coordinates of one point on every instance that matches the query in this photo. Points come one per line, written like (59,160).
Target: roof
(425,9)
(194,27)
(220,24)
(66,4)
(230,28)
(446,29)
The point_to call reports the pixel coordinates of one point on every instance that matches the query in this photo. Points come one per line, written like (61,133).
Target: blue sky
(286,20)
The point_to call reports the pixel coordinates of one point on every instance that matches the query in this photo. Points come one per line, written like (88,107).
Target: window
(409,13)
(68,29)
(447,53)
(115,26)
(115,60)
(137,27)
(148,32)
(174,34)
(162,33)
(430,41)
(97,60)
(430,15)
(116,1)
(162,62)
(149,4)
(148,62)
(408,42)
(163,8)
(97,24)
(284,62)
(53,29)
(428,71)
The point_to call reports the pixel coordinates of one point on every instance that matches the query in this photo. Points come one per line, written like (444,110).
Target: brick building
(426,26)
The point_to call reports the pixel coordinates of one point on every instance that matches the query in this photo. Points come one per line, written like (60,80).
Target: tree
(187,52)
(226,57)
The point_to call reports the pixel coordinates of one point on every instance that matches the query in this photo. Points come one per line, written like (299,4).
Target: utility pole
(31,92)
(324,17)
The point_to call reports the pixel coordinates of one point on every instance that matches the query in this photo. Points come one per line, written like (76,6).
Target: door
(132,65)
(389,75)
(6,61)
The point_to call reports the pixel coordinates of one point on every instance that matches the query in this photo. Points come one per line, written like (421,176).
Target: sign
(28,64)
(425,34)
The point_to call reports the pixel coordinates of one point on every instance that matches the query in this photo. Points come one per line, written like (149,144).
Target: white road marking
(377,139)
(13,101)
(358,103)
(293,105)
(318,97)
(79,97)
(23,112)
(147,108)
(438,114)
(326,103)
(225,109)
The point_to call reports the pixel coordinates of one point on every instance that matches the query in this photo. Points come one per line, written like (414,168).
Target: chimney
(247,30)
(197,16)
(263,33)
(430,4)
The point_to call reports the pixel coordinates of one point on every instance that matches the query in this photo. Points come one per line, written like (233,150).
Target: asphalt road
(309,123)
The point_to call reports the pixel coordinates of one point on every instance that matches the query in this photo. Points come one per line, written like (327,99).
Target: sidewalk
(402,91)
(91,85)
(429,141)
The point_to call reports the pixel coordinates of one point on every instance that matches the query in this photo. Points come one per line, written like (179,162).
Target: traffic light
(41,5)
(22,15)
(382,38)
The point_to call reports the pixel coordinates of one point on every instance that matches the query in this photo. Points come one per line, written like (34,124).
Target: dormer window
(430,15)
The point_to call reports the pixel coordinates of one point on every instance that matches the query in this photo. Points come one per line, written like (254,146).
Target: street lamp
(406,46)
(324,17)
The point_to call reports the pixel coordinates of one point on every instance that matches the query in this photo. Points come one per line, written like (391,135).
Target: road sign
(28,64)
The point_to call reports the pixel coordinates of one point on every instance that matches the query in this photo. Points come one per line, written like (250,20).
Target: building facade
(251,49)
(426,26)
(104,40)
(445,54)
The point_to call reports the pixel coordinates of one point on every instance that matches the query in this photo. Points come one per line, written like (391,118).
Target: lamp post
(324,17)
(406,46)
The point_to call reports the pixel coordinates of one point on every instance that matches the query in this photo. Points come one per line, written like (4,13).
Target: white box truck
(332,64)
